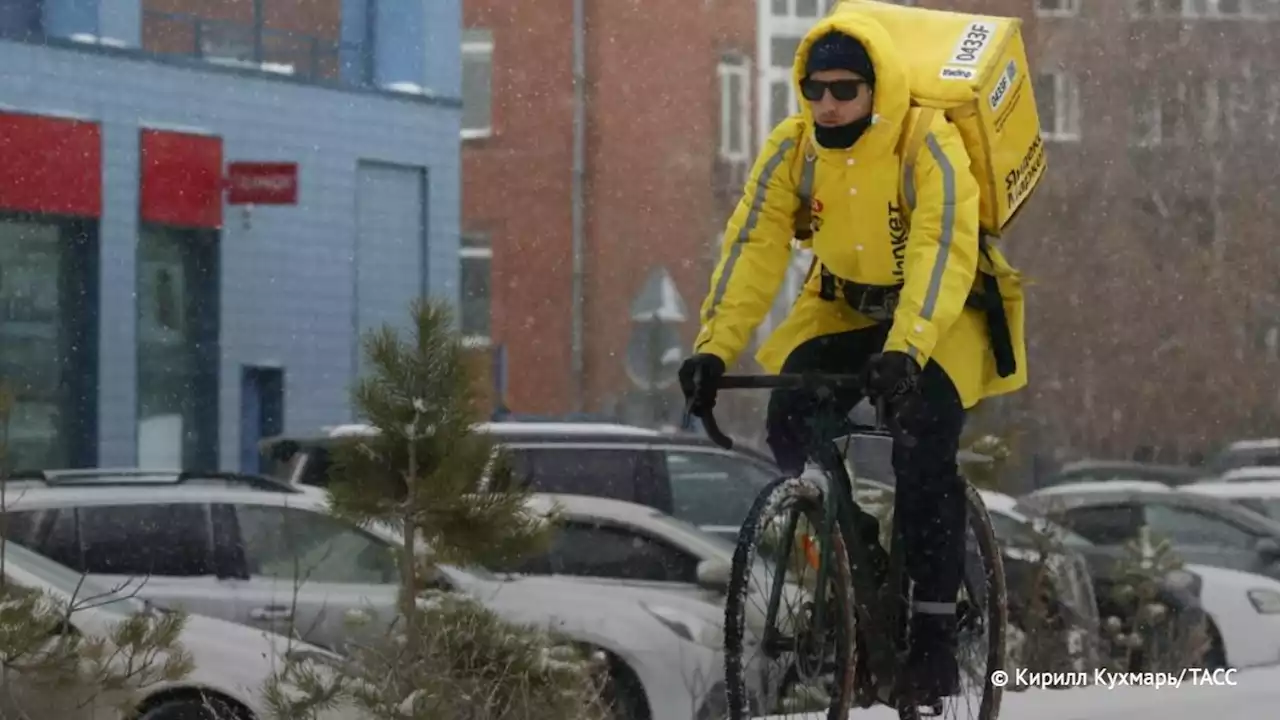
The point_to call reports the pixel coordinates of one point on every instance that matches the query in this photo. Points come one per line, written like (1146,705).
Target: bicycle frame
(879,611)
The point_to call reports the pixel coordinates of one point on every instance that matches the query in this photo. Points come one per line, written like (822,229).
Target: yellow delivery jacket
(863,233)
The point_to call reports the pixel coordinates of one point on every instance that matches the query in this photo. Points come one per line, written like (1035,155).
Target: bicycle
(868,630)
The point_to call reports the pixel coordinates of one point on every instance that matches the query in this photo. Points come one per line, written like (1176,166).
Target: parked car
(231,662)
(1262,452)
(1249,475)
(631,545)
(1261,496)
(261,554)
(1092,471)
(1202,529)
(680,474)
(1245,612)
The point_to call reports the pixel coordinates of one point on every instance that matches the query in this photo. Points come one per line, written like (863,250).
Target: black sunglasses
(842,90)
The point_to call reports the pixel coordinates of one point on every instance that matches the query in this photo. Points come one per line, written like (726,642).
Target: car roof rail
(96,477)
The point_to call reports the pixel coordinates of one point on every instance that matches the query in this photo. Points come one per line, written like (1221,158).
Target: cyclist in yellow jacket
(889,295)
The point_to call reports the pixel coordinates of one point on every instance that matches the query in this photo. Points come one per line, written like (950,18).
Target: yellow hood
(893,90)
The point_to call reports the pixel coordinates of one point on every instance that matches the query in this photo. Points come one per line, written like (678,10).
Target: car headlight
(1266,602)
(687,626)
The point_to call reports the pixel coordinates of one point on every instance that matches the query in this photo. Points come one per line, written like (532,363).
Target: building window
(1145,130)
(178,356)
(1057,7)
(476,272)
(1220,9)
(477,84)
(1058,100)
(291,38)
(1173,113)
(1223,101)
(48,340)
(735,118)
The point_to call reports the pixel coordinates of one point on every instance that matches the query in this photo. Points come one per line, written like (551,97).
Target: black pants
(929,502)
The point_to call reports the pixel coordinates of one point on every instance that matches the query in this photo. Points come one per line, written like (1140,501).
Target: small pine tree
(453,500)
(1151,640)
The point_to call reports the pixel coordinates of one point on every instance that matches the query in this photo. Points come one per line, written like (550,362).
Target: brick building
(666,126)
(1154,312)
(142,318)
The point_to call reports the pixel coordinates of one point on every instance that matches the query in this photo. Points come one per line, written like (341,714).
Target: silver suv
(261,553)
(679,474)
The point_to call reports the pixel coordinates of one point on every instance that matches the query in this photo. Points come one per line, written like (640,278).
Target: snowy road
(1255,696)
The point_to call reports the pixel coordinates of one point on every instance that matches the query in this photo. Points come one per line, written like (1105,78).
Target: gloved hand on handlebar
(699,375)
(895,378)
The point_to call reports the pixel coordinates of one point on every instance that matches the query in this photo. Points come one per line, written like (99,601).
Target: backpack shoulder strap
(804,187)
(910,144)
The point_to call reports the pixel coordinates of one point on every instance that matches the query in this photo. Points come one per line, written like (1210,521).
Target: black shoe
(932,671)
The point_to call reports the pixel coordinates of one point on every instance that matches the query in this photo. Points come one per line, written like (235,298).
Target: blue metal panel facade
(289,274)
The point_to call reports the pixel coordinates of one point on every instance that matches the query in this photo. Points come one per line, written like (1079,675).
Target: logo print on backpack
(956,73)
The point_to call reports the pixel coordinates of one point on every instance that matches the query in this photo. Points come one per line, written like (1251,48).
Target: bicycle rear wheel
(982,612)
(821,662)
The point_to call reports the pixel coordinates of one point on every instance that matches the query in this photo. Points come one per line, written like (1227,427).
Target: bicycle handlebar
(821,383)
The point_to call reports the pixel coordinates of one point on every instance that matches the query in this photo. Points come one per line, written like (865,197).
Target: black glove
(895,377)
(699,375)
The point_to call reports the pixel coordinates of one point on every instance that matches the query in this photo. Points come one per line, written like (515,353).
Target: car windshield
(68,583)
(1268,507)
(1060,533)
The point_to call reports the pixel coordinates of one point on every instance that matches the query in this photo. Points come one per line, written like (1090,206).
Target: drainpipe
(578,192)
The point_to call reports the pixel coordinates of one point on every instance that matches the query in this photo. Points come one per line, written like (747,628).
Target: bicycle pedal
(933,710)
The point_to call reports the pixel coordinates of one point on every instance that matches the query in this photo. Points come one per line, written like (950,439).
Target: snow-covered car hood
(564,593)
(1233,578)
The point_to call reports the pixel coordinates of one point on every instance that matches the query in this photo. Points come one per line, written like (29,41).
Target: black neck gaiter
(841,137)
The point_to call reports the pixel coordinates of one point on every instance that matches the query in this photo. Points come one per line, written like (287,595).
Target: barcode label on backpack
(1001,89)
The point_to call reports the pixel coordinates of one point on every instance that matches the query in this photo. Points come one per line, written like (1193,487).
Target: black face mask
(841,137)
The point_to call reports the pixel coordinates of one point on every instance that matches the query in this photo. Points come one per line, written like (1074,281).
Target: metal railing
(254,46)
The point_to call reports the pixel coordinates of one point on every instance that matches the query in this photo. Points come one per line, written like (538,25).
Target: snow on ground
(1255,696)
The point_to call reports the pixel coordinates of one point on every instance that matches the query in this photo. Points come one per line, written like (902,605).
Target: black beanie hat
(837,51)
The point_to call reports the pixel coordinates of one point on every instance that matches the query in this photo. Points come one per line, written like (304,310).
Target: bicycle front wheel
(789,644)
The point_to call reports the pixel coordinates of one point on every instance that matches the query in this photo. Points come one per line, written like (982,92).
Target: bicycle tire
(807,497)
(997,610)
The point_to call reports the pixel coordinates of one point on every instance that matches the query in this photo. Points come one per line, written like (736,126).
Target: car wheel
(195,707)
(1215,657)
(623,694)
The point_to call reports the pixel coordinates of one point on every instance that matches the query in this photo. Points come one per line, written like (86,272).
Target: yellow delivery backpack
(974,69)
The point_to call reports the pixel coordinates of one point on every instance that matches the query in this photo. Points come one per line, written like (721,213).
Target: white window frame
(735,66)
(478,45)
(1064,126)
(468,253)
(769,27)
(1063,8)
(1207,9)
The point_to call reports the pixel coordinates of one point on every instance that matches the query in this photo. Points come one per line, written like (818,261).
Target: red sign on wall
(50,165)
(262,183)
(181,179)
